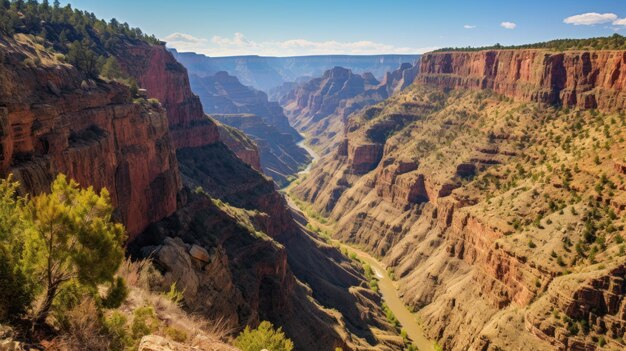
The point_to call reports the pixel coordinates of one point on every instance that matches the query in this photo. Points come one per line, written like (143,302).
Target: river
(313,154)
(386,285)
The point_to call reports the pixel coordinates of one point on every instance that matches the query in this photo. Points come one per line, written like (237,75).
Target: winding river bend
(386,285)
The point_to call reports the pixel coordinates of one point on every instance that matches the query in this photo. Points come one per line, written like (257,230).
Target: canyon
(267,73)
(320,107)
(247,109)
(469,186)
(456,200)
(206,216)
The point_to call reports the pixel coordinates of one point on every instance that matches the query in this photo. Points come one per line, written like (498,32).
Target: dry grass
(140,277)
(85,329)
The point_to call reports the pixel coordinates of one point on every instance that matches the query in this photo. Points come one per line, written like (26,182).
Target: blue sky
(304,27)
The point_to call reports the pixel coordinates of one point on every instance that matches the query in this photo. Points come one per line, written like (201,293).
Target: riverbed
(387,287)
(313,154)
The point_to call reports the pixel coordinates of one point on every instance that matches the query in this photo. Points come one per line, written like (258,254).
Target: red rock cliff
(51,121)
(165,79)
(584,79)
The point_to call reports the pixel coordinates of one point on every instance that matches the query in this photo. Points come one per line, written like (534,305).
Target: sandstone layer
(320,107)
(53,121)
(503,227)
(156,70)
(247,109)
(583,79)
(280,158)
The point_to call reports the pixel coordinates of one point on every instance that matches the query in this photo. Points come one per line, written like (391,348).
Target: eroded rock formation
(320,107)
(583,79)
(247,109)
(53,121)
(474,199)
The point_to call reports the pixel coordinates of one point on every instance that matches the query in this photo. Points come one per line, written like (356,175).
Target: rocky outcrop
(280,157)
(240,144)
(320,107)
(244,108)
(54,122)
(159,343)
(224,94)
(400,78)
(364,157)
(156,70)
(594,300)
(583,79)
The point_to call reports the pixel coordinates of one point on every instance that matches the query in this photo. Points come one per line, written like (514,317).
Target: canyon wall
(53,121)
(469,186)
(249,110)
(320,107)
(583,79)
(156,70)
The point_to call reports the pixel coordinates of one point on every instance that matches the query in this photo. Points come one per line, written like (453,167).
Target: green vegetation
(391,318)
(58,246)
(613,42)
(371,277)
(263,337)
(78,36)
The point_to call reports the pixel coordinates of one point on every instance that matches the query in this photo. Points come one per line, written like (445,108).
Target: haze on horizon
(297,28)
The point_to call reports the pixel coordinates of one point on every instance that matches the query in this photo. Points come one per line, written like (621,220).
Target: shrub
(117,294)
(144,322)
(16,292)
(70,239)
(116,328)
(84,329)
(174,295)
(176,334)
(263,337)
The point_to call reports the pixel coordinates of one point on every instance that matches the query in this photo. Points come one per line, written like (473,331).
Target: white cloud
(590,18)
(469,26)
(508,25)
(240,45)
(620,22)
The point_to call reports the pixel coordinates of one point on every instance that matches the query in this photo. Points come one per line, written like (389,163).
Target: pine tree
(111,69)
(70,238)
(15,288)
(83,58)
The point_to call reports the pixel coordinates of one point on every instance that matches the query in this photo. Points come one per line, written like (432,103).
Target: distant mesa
(266,73)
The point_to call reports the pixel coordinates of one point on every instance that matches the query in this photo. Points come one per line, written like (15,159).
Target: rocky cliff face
(583,79)
(280,157)
(156,70)
(236,105)
(502,227)
(320,107)
(224,94)
(53,122)
(239,143)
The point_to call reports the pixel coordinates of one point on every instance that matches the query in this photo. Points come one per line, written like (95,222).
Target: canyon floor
(387,287)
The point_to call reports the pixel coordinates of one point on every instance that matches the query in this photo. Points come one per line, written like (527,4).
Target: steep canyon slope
(230,244)
(320,107)
(249,110)
(494,189)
